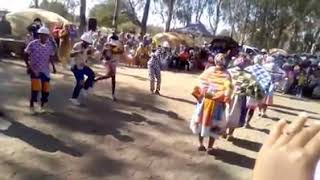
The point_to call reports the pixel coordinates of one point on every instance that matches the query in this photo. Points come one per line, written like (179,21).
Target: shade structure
(278,51)
(196,29)
(20,20)
(174,39)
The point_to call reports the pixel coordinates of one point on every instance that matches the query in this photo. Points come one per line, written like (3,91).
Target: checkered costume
(262,76)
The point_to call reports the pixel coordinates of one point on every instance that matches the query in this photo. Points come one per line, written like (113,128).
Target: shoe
(32,110)
(114,98)
(41,110)
(85,93)
(75,102)
(157,92)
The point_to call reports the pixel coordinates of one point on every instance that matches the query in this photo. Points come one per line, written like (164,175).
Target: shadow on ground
(291,113)
(292,109)
(38,139)
(234,158)
(179,99)
(246,144)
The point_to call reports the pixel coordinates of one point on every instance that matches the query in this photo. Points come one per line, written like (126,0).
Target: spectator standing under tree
(65,46)
(184,59)
(302,81)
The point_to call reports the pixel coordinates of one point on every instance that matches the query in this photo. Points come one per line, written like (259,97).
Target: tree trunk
(116,14)
(218,7)
(36,3)
(83,7)
(170,14)
(145,17)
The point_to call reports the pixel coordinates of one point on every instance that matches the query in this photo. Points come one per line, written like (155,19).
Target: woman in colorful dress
(241,80)
(209,119)
(277,74)
(245,88)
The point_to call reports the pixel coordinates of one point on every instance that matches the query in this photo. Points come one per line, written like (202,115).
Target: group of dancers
(228,97)
(40,53)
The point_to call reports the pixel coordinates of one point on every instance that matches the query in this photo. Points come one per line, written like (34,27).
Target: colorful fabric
(277,74)
(209,118)
(216,82)
(40,55)
(261,75)
(40,83)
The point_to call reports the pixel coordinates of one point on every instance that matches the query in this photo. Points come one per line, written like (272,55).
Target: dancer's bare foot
(290,152)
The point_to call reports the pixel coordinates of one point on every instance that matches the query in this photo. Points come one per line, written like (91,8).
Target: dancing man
(38,55)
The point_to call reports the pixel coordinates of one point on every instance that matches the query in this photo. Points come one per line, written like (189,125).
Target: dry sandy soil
(142,136)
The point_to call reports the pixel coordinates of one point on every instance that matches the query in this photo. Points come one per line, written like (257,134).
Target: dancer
(111,65)
(258,93)
(80,54)
(39,54)
(277,74)
(154,68)
(244,86)
(212,95)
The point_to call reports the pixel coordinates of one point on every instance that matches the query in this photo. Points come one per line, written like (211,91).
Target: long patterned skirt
(209,118)
(237,112)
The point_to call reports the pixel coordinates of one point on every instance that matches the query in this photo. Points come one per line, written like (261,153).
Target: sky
(154,19)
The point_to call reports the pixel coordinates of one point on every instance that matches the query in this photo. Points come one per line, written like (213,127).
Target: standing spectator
(65,45)
(302,79)
(142,55)
(39,54)
(34,27)
(114,36)
(73,33)
(5,27)
(55,33)
(184,59)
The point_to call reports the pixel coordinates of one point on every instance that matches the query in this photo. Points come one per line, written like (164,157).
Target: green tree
(130,8)
(56,7)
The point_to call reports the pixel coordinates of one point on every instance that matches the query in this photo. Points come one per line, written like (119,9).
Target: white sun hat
(87,38)
(44,30)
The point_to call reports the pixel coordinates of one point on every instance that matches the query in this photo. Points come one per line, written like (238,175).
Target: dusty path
(140,137)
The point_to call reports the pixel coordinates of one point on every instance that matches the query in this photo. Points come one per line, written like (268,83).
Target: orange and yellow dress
(209,119)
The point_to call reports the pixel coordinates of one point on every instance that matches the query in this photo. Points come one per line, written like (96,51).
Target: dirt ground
(142,136)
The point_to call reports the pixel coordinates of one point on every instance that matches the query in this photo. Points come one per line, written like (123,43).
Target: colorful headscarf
(242,61)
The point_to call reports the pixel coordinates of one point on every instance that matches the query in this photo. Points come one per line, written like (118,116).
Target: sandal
(202,148)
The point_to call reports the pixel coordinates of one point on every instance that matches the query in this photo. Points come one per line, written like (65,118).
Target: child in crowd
(302,79)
